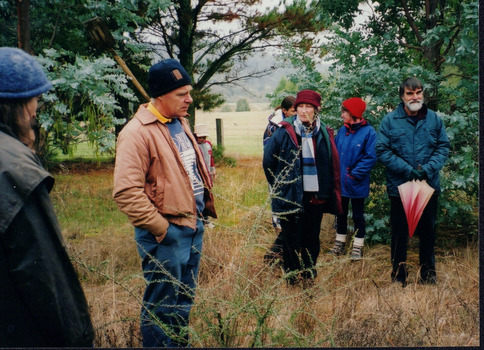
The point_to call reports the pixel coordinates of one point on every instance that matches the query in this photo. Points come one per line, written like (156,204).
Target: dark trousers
(358,208)
(301,239)
(278,244)
(426,233)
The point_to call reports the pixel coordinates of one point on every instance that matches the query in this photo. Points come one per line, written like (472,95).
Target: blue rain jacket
(357,156)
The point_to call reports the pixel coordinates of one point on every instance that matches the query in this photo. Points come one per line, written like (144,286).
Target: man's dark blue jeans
(170,269)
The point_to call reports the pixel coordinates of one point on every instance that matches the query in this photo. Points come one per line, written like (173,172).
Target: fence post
(220,135)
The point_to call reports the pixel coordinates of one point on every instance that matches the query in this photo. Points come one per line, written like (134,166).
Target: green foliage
(284,88)
(242,105)
(82,104)
(220,159)
(206,101)
(226,108)
(91,94)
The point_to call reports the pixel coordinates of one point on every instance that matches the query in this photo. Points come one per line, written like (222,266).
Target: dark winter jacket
(283,169)
(404,144)
(41,299)
(357,156)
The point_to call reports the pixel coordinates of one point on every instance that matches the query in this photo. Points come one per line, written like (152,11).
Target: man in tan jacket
(162,184)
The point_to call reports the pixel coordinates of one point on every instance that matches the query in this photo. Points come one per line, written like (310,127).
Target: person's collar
(158,115)
(7,130)
(353,126)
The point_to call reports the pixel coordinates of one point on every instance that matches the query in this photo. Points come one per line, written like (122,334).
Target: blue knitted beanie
(21,76)
(166,76)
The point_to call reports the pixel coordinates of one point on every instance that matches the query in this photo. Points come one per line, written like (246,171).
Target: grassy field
(242,131)
(243,302)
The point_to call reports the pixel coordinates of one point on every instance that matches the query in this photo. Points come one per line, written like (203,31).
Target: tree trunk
(185,43)
(23,26)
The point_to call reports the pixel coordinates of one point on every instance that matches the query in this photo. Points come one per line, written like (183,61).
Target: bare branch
(408,46)
(411,21)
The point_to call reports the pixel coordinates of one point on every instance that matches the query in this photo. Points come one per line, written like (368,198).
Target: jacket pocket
(351,185)
(431,136)
(398,140)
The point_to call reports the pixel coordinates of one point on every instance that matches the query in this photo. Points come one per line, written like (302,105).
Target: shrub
(220,159)
(242,105)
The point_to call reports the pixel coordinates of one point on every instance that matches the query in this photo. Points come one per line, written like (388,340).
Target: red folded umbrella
(414,195)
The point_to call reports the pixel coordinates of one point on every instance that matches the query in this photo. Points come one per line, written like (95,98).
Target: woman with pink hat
(302,166)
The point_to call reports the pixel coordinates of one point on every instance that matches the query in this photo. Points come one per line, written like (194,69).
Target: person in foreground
(302,166)
(162,184)
(412,144)
(285,110)
(42,303)
(355,142)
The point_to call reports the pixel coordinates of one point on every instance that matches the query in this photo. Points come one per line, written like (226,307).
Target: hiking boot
(356,253)
(400,276)
(427,277)
(428,280)
(338,248)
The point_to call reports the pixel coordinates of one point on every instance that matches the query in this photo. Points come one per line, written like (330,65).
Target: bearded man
(413,145)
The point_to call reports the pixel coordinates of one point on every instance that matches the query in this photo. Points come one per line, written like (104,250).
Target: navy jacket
(357,156)
(403,144)
(283,169)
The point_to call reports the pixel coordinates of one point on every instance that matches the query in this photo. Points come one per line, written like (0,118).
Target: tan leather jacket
(151,186)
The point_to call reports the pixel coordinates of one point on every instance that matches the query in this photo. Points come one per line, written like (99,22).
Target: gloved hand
(422,175)
(418,175)
(414,175)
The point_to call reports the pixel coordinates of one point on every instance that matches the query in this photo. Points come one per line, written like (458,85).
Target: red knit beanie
(356,106)
(308,96)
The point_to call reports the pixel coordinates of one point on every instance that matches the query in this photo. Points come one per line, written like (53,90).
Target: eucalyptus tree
(91,94)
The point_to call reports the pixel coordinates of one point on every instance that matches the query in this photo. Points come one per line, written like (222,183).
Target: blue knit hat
(21,76)
(166,76)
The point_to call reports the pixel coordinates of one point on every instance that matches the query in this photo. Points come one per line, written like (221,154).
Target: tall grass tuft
(243,302)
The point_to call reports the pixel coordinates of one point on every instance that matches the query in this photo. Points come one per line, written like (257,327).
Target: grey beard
(415,106)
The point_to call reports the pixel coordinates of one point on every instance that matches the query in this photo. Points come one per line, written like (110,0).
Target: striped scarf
(310,173)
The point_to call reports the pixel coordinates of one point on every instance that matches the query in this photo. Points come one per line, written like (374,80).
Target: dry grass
(243,302)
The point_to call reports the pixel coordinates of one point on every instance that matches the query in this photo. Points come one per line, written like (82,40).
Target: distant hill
(256,89)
